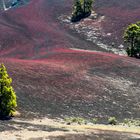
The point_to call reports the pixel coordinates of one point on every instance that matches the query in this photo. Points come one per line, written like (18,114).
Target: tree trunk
(84,6)
(4,6)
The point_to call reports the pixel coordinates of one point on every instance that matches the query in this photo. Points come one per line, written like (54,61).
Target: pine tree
(82,9)
(132,38)
(77,11)
(4,5)
(85,5)
(7,95)
(88,6)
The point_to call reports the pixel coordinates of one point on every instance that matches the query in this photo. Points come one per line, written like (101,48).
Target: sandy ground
(48,129)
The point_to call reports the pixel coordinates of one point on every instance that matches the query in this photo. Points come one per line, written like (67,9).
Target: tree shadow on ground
(21,125)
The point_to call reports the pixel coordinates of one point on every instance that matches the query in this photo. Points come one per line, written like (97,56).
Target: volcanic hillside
(51,79)
(119,14)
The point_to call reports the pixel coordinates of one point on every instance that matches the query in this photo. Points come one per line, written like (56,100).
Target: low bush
(77,120)
(112,121)
(94,120)
(130,122)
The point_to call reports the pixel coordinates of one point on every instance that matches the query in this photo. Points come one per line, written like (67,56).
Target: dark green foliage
(132,38)
(82,9)
(7,94)
(87,6)
(77,11)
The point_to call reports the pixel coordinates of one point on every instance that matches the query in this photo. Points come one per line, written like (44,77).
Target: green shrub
(132,38)
(94,120)
(77,120)
(81,9)
(7,95)
(112,121)
(130,122)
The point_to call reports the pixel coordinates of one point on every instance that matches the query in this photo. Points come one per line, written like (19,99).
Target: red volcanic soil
(77,83)
(51,79)
(35,27)
(29,31)
(118,15)
(32,30)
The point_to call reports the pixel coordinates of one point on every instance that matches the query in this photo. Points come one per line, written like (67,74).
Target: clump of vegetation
(94,120)
(132,38)
(112,121)
(76,120)
(130,122)
(8,101)
(81,9)
(79,120)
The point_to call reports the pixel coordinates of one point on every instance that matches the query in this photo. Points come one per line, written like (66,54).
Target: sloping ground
(119,19)
(35,27)
(106,26)
(55,81)
(73,83)
(62,81)
(28,28)
(118,15)
(77,83)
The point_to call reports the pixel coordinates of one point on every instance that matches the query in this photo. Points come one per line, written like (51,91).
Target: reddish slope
(63,81)
(34,28)
(29,28)
(119,14)
(77,83)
